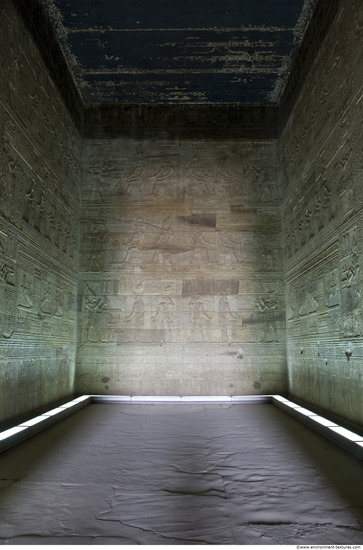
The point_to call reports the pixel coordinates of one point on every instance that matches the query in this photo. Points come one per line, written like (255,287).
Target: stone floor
(180,474)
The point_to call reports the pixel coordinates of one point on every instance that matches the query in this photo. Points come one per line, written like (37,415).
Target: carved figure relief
(310,302)
(227,177)
(226,319)
(26,299)
(203,247)
(162,180)
(311,216)
(349,263)
(7,294)
(230,247)
(163,317)
(136,317)
(266,187)
(133,177)
(182,277)
(93,306)
(200,319)
(202,179)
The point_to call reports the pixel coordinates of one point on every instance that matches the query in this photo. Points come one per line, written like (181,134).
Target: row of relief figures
(130,284)
(34,197)
(255,329)
(180,318)
(176,178)
(326,200)
(338,273)
(194,247)
(330,304)
(32,99)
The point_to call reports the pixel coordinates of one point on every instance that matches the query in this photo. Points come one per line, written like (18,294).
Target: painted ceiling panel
(180,50)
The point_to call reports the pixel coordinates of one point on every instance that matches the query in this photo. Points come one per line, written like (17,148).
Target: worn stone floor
(180,474)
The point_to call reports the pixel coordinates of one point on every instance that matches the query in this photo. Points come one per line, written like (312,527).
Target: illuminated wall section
(321,154)
(39,211)
(181,268)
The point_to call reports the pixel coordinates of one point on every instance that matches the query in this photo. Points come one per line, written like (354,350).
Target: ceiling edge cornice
(40,28)
(320,23)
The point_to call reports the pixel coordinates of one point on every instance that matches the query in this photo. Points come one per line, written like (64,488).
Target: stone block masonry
(40,171)
(181,268)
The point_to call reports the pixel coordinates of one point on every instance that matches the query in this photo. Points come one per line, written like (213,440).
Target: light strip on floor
(343,437)
(14,435)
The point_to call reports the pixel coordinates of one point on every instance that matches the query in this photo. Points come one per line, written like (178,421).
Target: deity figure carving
(128,248)
(202,178)
(202,248)
(7,295)
(163,316)
(9,185)
(93,305)
(267,302)
(136,317)
(200,319)
(98,171)
(59,303)
(226,175)
(225,318)
(47,303)
(310,303)
(161,181)
(230,248)
(25,299)
(134,176)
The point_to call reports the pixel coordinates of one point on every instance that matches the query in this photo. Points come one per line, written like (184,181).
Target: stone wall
(181,268)
(39,218)
(321,155)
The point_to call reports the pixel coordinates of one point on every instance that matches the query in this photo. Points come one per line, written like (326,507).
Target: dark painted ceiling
(180,51)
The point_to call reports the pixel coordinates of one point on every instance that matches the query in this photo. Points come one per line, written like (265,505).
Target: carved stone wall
(321,155)
(39,224)
(181,268)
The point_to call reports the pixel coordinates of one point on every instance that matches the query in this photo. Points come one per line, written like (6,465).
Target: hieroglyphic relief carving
(162,181)
(268,305)
(10,190)
(266,188)
(322,169)
(133,178)
(7,285)
(312,215)
(39,210)
(163,317)
(201,179)
(350,288)
(349,259)
(200,319)
(136,317)
(203,247)
(93,306)
(230,248)
(183,260)
(226,319)
(227,177)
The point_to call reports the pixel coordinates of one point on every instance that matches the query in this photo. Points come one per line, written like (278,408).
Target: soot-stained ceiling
(180,51)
